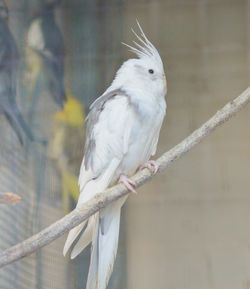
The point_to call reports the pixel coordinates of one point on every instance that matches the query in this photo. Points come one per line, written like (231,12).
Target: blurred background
(189,227)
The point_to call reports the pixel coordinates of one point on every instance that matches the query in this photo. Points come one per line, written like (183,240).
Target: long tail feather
(18,123)
(108,243)
(15,125)
(73,234)
(93,267)
(104,248)
(89,190)
(85,238)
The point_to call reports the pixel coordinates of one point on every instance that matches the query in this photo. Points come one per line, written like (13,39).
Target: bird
(123,127)
(45,38)
(8,80)
(65,146)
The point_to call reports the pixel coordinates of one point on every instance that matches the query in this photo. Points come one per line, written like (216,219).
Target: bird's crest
(144,48)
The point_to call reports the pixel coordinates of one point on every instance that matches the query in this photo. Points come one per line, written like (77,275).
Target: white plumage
(122,134)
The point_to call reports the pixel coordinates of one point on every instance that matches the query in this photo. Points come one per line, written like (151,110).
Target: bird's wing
(156,135)
(45,37)
(8,62)
(37,41)
(106,145)
(107,132)
(3,44)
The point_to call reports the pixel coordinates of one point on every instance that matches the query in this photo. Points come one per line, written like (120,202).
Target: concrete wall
(189,228)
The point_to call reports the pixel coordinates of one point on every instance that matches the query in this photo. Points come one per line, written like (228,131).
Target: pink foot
(151,165)
(128,183)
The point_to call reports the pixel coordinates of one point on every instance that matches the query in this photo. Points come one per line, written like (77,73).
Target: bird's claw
(128,183)
(151,165)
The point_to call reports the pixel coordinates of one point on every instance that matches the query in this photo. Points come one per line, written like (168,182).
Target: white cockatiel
(122,134)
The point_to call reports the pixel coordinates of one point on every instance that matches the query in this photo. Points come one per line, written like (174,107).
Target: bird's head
(146,72)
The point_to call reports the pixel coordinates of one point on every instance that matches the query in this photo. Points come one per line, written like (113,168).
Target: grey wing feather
(95,110)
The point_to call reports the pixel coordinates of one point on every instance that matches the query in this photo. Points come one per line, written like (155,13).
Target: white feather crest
(144,48)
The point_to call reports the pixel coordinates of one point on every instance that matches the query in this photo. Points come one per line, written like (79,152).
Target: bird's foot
(128,183)
(151,165)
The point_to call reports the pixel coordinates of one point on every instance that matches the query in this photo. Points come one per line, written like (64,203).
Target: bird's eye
(151,71)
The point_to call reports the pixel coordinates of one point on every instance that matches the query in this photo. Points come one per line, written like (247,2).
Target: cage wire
(92,34)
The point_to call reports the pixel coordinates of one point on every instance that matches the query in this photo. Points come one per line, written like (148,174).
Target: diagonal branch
(82,213)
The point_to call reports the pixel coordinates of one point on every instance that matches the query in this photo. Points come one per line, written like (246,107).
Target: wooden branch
(82,213)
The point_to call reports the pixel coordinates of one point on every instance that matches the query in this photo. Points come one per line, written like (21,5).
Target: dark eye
(151,71)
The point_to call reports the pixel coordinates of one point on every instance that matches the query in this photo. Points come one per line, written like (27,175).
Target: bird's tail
(104,247)
(13,121)
(56,85)
(89,188)
(18,123)
(102,229)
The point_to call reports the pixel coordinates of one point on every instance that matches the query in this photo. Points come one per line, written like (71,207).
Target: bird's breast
(146,123)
